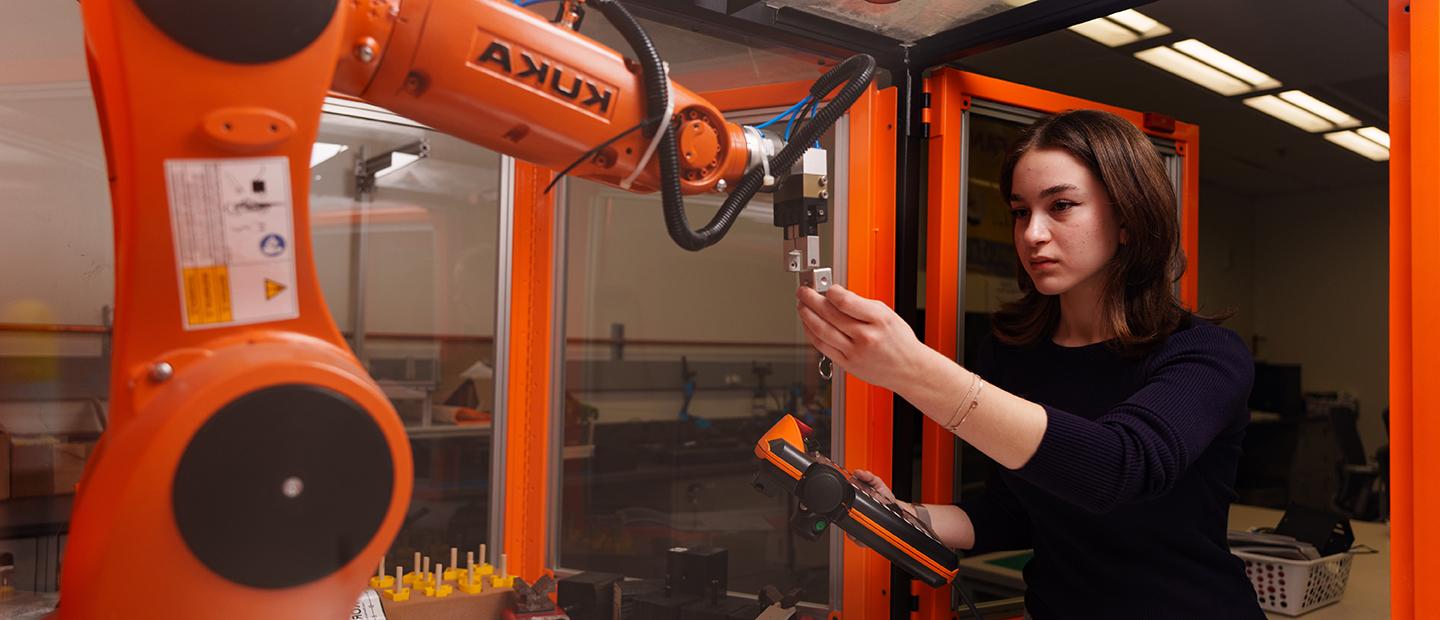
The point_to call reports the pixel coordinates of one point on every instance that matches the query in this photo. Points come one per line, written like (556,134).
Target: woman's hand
(863,336)
(880,490)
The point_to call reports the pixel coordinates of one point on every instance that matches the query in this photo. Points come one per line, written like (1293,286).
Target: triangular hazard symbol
(272,288)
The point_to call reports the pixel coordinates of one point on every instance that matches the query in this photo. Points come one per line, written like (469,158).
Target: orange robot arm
(500,76)
(251,467)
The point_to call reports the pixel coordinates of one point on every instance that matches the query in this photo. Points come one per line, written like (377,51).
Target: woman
(1115,415)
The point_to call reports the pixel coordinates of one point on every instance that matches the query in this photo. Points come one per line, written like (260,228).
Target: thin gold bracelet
(972,399)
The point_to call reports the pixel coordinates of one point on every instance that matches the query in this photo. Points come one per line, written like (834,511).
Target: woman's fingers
(855,306)
(821,330)
(878,486)
(837,357)
(817,303)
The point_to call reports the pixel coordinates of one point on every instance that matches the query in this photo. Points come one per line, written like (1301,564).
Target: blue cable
(524,3)
(814,111)
(784,114)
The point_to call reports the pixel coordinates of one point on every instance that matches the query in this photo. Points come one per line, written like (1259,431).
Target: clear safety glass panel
(906,21)
(676,363)
(989,282)
(58,256)
(409,270)
(703,63)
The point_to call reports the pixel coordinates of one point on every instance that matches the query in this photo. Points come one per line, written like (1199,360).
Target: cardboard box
(69,464)
(45,465)
(490,604)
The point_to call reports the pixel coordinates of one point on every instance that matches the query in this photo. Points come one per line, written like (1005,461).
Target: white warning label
(232,224)
(368,607)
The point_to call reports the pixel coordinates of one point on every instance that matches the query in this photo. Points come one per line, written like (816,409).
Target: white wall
(1307,277)
(1226,262)
(1321,293)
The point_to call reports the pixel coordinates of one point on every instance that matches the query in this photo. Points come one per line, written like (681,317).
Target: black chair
(1330,470)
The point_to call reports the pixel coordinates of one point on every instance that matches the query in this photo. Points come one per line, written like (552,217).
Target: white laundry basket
(1294,587)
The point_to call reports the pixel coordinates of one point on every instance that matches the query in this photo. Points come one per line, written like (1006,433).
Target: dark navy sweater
(1127,498)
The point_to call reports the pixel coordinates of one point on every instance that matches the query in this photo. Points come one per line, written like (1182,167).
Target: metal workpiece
(818,279)
(801,252)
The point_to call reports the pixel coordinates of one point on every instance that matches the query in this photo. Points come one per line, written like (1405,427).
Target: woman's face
(1065,226)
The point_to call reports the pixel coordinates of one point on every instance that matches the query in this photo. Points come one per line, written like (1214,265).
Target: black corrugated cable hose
(855,73)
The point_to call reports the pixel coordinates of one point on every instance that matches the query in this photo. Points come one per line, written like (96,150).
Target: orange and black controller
(829,494)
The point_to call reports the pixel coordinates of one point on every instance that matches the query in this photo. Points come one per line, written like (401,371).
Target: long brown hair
(1138,306)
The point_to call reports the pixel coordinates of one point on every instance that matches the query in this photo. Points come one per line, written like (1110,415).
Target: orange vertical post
(942,290)
(1401,488)
(1402,553)
(870,271)
(1416,340)
(527,440)
(1187,144)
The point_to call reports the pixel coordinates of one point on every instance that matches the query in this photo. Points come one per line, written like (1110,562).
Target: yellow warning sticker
(207,295)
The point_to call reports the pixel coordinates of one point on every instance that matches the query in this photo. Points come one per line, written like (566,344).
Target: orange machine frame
(951,92)
(528,428)
(1414,303)
(870,271)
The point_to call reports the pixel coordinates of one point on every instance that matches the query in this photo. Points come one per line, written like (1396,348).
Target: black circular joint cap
(241,31)
(823,491)
(283,486)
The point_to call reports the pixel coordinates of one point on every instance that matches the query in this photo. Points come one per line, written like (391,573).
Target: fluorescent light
(320,152)
(398,160)
(1320,108)
(1139,22)
(1106,32)
(1121,28)
(1376,135)
(1224,62)
(1358,144)
(1193,70)
(1285,111)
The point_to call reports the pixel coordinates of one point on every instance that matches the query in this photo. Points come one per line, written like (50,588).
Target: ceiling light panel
(1355,142)
(1140,22)
(1121,28)
(1290,113)
(320,152)
(1191,69)
(1320,108)
(1106,32)
(1227,63)
(1376,135)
